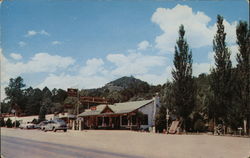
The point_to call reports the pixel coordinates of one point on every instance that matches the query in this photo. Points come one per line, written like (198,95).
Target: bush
(9,123)
(17,124)
(2,123)
(199,126)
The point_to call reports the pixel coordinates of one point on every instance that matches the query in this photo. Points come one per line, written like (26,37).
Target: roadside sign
(72,92)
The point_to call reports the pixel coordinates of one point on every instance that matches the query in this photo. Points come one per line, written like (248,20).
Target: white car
(54,125)
(27,125)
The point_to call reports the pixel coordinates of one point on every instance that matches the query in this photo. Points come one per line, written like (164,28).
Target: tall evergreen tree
(14,93)
(183,88)
(221,75)
(243,69)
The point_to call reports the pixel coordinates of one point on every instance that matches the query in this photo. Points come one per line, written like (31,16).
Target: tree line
(32,101)
(221,97)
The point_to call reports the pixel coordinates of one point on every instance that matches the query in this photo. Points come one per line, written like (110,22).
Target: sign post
(14,111)
(167,118)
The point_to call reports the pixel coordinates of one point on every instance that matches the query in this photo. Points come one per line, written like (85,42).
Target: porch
(113,121)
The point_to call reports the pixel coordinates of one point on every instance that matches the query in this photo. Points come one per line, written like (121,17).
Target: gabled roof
(118,108)
(89,112)
(127,107)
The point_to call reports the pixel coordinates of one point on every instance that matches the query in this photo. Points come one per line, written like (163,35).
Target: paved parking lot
(101,143)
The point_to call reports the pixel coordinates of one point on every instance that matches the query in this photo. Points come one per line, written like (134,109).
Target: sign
(68,106)
(72,92)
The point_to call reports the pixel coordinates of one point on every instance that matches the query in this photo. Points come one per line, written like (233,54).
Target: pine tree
(183,84)
(221,75)
(243,69)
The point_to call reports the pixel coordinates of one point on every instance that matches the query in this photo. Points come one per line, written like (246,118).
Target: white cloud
(233,50)
(143,45)
(199,68)
(76,81)
(198,32)
(16,56)
(33,33)
(134,63)
(155,79)
(22,44)
(56,42)
(3,95)
(43,32)
(40,62)
(93,74)
(93,66)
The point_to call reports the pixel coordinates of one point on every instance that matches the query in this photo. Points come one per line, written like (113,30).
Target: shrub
(2,123)
(9,123)
(199,126)
(17,124)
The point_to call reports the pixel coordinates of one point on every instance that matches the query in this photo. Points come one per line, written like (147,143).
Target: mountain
(126,82)
(124,89)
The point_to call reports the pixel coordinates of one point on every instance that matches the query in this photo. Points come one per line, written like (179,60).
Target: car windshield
(59,120)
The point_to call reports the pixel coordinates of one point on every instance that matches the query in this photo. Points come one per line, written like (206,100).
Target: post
(245,126)
(167,117)
(14,111)
(15,119)
(80,125)
(120,121)
(78,101)
(102,121)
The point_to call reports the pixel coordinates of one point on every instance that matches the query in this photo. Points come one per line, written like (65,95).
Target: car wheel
(65,130)
(54,130)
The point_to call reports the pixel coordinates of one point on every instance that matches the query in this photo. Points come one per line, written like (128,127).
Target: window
(124,120)
(99,121)
(145,119)
(134,121)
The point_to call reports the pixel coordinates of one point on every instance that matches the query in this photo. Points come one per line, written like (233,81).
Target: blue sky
(85,44)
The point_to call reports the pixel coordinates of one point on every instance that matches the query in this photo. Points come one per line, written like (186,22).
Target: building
(128,115)
(68,118)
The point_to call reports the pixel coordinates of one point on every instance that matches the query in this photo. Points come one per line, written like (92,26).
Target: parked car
(41,124)
(55,125)
(27,125)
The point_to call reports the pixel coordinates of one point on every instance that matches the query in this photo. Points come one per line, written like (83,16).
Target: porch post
(80,125)
(110,121)
(73,126)
(83,120)
(96,121)
(120,120)
(102,121)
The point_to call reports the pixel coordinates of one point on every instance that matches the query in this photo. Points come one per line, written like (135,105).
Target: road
(13,147)
(16,143)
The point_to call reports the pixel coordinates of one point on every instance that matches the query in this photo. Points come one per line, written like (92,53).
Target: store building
(127,115)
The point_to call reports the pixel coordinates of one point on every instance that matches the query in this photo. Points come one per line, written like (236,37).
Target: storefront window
(145,120)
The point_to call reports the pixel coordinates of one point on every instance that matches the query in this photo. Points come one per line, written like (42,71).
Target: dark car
(54,125)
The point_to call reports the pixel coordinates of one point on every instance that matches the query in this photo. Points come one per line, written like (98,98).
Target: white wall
(148,110)
(151,110)
(26,119)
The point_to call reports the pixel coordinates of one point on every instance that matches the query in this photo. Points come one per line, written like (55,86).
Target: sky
(88,43)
